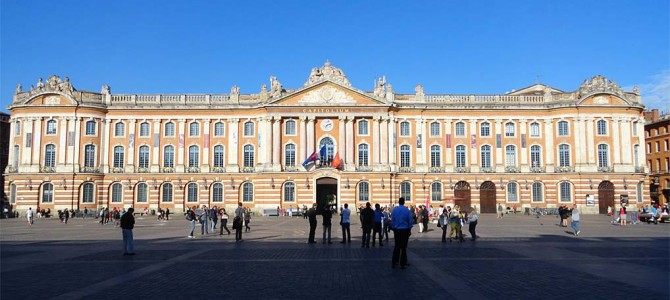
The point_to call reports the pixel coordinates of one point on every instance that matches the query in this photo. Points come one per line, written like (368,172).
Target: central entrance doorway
(487,197)
(605,196)
(326,194)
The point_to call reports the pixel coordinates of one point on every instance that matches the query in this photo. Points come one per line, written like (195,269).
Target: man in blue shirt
(345,222)
(401,223)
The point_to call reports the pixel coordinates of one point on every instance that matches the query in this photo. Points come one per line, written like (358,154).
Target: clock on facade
(327,125)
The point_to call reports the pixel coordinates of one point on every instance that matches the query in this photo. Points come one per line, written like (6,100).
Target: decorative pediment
(53,84)
(326,95)
(327,72)
(599,84)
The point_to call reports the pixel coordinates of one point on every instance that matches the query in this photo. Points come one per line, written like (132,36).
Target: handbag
(438,224)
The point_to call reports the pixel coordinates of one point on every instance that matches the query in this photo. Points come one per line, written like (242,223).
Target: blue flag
(323,152)
(309,159)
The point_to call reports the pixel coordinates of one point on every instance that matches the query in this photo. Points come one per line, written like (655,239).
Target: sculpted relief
(327,95)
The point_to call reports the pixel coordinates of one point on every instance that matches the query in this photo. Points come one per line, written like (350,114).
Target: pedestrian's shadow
(570,232)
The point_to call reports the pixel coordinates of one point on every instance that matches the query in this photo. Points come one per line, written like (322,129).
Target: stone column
(37,145)
(181,128)
(384,143)
(12,135)
(643,148)
(310,135)
(448,152)
(104,150)
(592,150)
(156,150)
(419,125)
(132,141)
(499,154)
(260,136)
(392,125)
(626,147)
(233,127)
(267,143)
(580,151)
(375,143)
(341,140)
(63,147)
(276,144)
(548,145)
(350,165)
(523,151)
(206,137)
(77,142)
(474,152)
(616,142)
(302,154)
(26,152)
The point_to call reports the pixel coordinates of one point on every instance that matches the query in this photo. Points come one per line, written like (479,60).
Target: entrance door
(605,196)
(462,194)
(326,194)
(487,196)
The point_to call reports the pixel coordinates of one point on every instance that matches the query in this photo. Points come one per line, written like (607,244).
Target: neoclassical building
(537,146)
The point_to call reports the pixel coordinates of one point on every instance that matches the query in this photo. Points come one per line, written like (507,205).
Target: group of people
(209,217)
(291,211)
(454,220)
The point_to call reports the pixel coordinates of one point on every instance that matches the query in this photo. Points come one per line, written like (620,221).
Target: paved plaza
(517,257)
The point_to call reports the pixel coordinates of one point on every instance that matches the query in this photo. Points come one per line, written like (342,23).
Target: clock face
(327,125)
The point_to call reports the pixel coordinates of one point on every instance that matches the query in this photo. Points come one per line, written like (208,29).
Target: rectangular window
(90,128)
(485,129)
(460,129)
(534,130)
(290,127)
(509,129)
(219,129)
(404,129)
(435,129)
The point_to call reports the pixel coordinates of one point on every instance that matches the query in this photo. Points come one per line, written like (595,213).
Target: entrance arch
(463,195)
(605,196)
(487,196)
(326,194)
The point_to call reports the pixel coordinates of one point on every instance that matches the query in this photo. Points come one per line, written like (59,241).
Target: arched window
(436,192)
(363,192)
(535,129)
(90,127)
(169,129)
(406,191)
(510,156)
(563,128)
(192,192)
(218,156)
(535,156)
(145,129)
(47,193)
(435,128)
(405,156)
(512,192)
(460,129)
(289,127)
(247,192)
(50,155)
(118,157)
(363,154)
(219,129)
(141,192)
(89,156)
(51,127)
(486,156)
(289,155)
(538,193)
(249,156)
(248,128)
(404,128)
(509,129)
(117,192)
(143,157)
(330,148)
(289,192)
(119,129)
(603,155)
(193,156)
(564,155)
(217,192)
(87,193)
(565,191)
(601,125)
(460,156)
(485,129)
(167,192)
(168,156)
(363,127)
(194,129)
(435,156)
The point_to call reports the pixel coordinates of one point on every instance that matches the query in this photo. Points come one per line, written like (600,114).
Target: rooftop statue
(327,72)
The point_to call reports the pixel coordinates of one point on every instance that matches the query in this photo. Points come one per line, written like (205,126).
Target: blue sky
(480,47)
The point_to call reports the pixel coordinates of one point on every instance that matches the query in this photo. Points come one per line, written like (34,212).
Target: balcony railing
(45,169)
(436,170)
(89,170)
(406,169)
(488,170)
(193,170)
(512,169)
(291,169)
(217,170)
(248,169)
(142,170)
(117,170)
(12,169)
(167,170)
(565,169)
(639,169)
(538,170)
(363,168)
(606,169)
(462,169)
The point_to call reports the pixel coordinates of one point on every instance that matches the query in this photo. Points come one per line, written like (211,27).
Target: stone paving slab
(518,257)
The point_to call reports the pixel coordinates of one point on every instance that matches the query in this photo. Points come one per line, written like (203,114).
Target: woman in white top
(224,221)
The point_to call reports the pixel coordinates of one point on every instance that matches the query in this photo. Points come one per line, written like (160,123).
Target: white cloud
(655,92)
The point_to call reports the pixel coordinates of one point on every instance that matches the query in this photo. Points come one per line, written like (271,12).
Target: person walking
(224,221)
(247,219)
(214,218)
(575,220)
(327,224)
(30,216)
(377,225)
(419,218)
(425,218)
(367,220)
(500,211)
(202,217)
(401,223)
(311,215)
(386,223)
(455,224)
(345,222)
(237,221)
(443,222)
(473,217)
(127,225)
(191,217)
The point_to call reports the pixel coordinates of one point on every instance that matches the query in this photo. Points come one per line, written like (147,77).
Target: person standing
(386,223)
(191,217)
(419,219)
(247,218)
(127,225)
(622,215)
(29,215)
(367,220)
(167,214)
(237,221)
(401,224)
(224,221)
(311,215)
(425,218)
(345,222)
(290,211)
(377,225)
(500,211)
(473,217)
(202,218)
(575,220)
(327,224)
(443,221)
(214,218)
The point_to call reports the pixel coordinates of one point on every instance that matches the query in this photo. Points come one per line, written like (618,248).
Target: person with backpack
(247,218)
(237,222)
(202,217)
(224,221)
(214,218)
(190,217)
